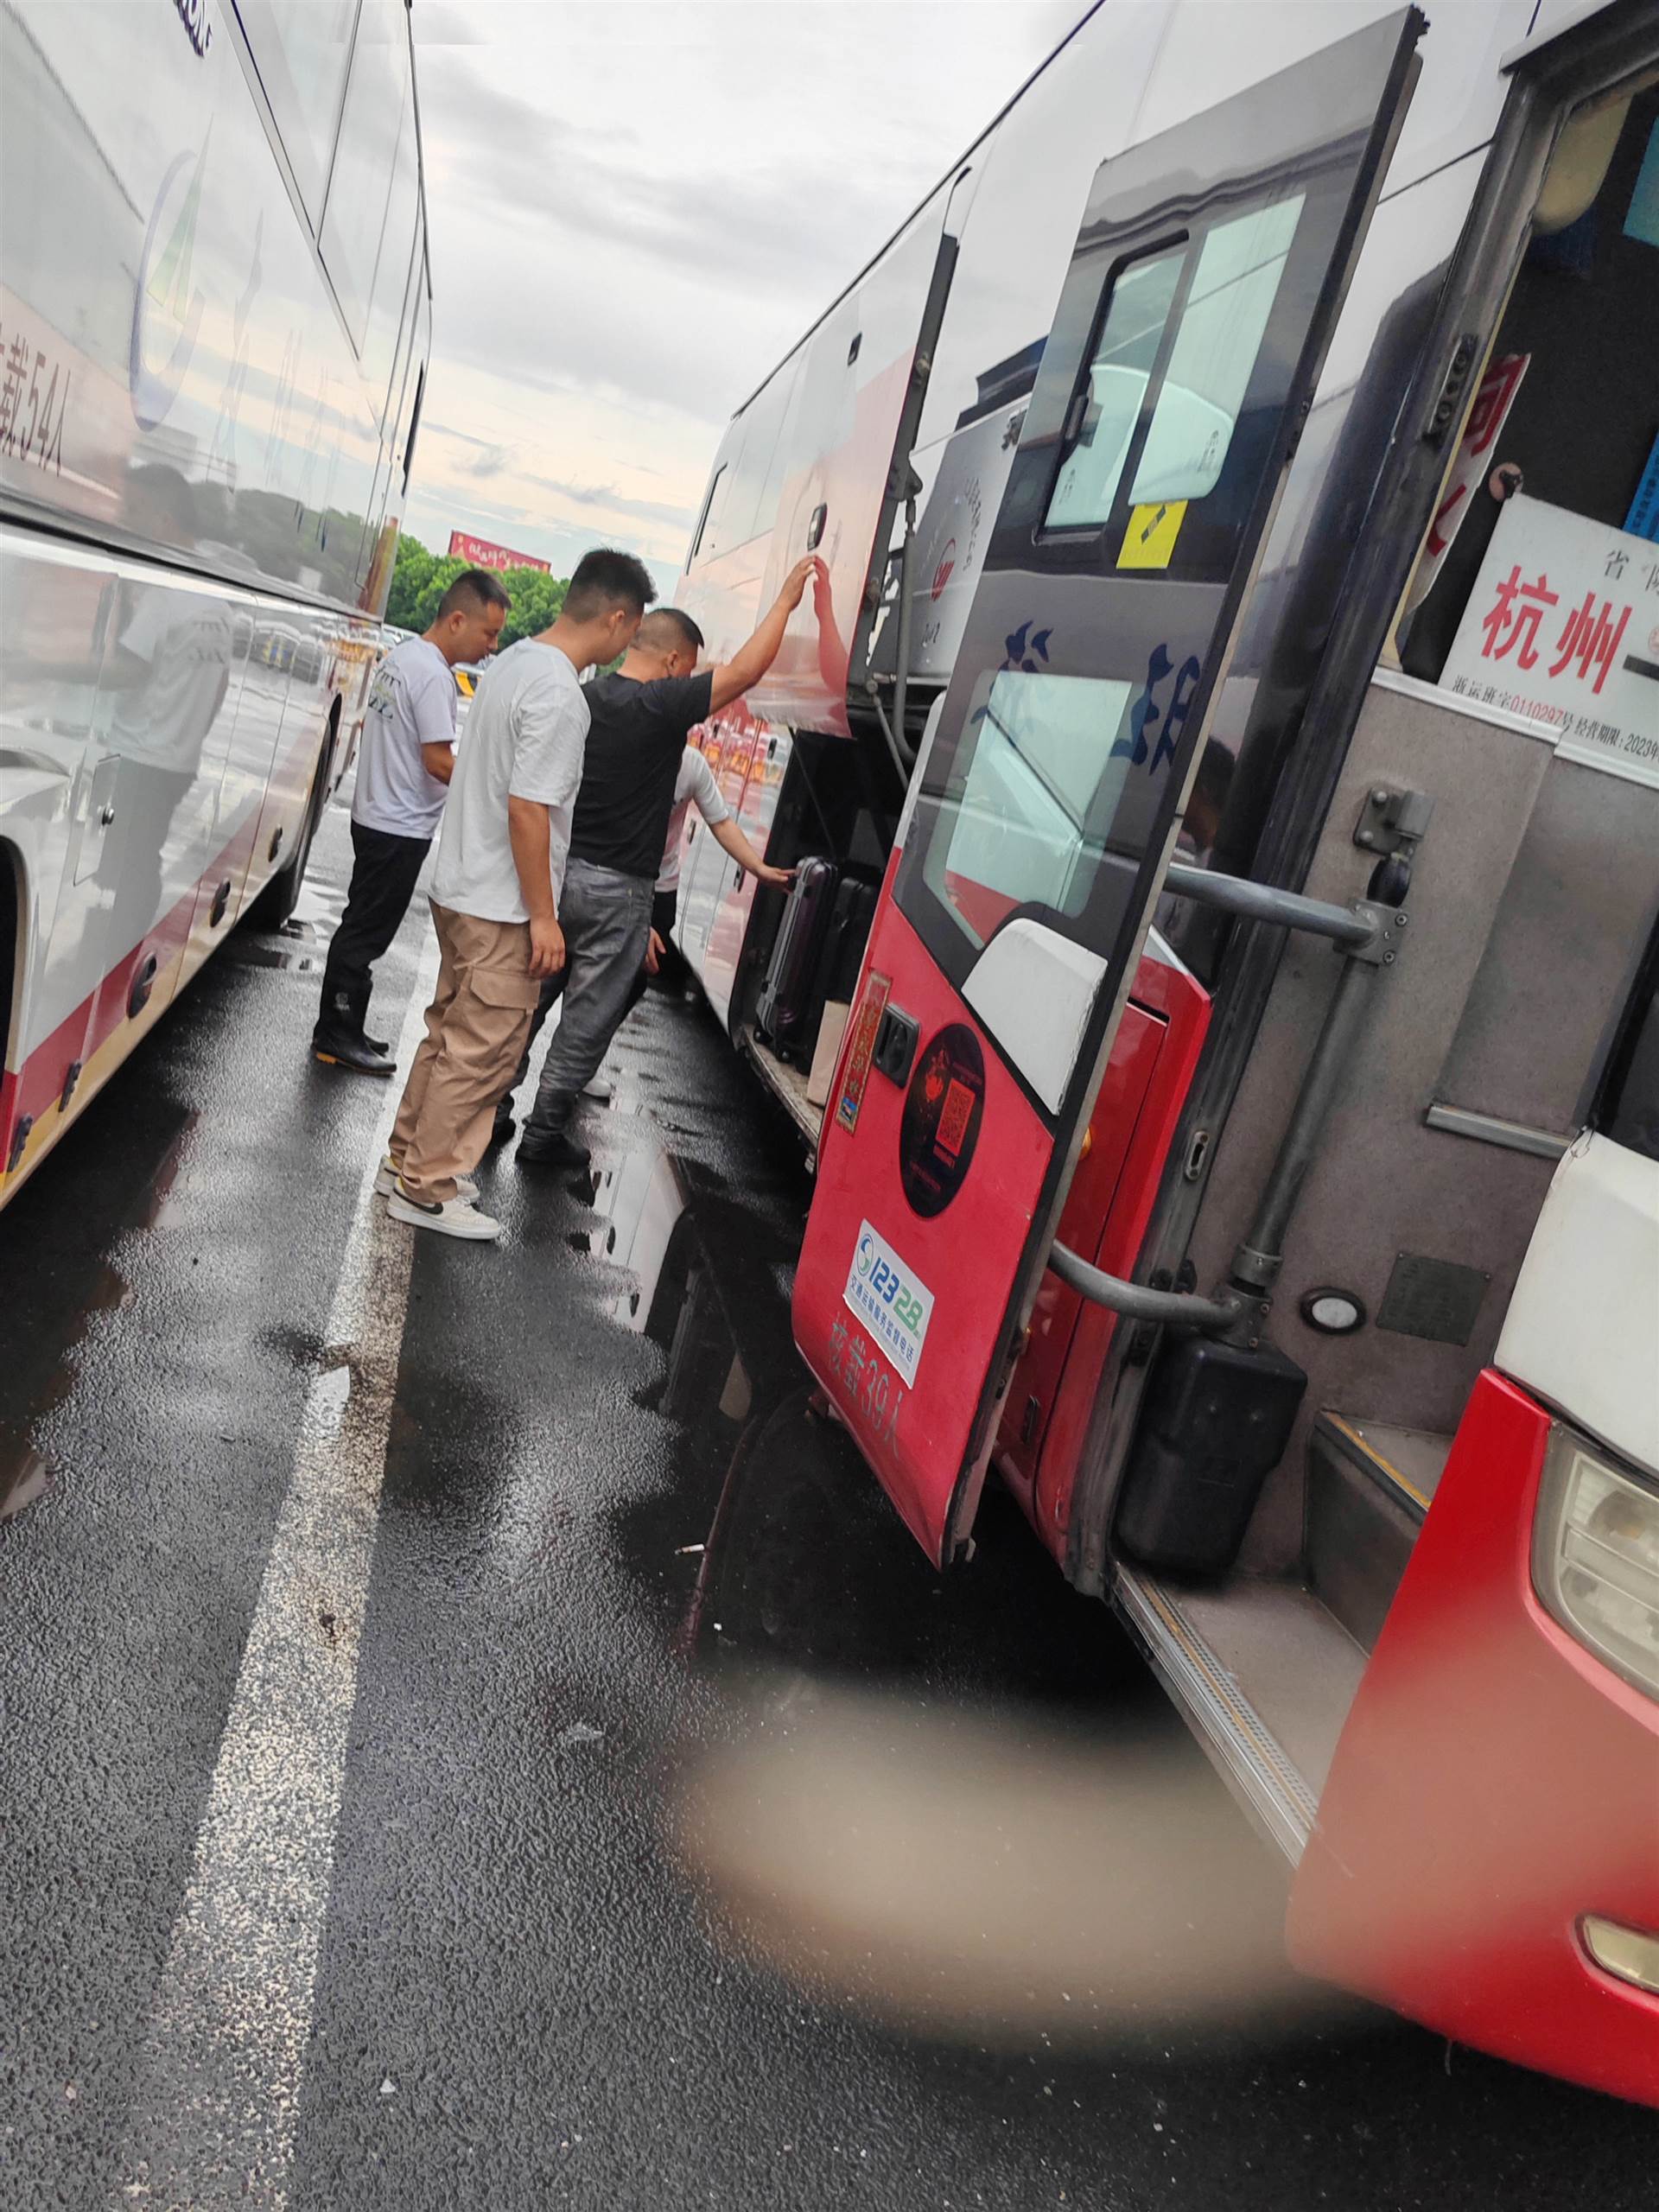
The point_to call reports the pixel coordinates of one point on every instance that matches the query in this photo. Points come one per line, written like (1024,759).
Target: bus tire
(275,904)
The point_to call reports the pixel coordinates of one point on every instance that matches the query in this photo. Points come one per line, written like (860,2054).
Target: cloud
(636,212)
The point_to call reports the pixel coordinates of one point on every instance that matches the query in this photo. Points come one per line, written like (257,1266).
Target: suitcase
(846,945)
(844,955)
(787,1000)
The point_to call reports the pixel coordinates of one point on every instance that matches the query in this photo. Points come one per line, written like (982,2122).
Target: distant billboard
(480,554)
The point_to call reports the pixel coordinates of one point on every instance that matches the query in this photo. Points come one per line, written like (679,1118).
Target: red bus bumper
(1495,1784)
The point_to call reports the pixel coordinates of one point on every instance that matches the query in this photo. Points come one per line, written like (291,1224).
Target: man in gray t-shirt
(403,765)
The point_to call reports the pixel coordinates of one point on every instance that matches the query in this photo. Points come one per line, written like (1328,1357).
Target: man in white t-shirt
(496,889)
(403,765)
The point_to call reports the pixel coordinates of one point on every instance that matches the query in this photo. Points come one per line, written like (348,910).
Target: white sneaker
(455,1218)
(385,1182)
(597,1088)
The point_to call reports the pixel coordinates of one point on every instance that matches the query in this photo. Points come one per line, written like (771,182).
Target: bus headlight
(1595,1556)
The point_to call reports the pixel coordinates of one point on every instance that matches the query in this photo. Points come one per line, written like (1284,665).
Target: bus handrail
(1265,902)
(1138,1302)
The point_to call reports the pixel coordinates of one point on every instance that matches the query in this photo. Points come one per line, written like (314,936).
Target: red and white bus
(214,316)
(1236,663)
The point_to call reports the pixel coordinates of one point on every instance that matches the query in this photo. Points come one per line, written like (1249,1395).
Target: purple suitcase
(787,997)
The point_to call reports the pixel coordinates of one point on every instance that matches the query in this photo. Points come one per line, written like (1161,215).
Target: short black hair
(661,621)
(473,587)
(605,579)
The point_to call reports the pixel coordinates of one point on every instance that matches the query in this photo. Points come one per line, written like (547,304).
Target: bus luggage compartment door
(1187,340)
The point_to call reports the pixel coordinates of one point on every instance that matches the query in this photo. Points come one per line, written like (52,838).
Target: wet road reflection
(695,1842)
(953,1802)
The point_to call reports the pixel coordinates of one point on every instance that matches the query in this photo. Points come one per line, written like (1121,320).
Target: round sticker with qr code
(940,1125)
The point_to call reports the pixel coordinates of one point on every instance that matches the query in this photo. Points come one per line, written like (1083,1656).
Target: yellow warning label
(1150,538)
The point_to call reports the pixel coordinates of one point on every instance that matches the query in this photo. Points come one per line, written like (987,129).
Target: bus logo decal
(893,1304)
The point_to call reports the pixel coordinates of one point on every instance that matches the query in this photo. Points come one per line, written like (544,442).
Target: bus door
(1190,327)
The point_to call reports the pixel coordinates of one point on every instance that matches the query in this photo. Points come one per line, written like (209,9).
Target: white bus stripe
(221,2071)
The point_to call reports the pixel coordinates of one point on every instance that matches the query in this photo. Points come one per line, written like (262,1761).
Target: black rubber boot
(336,1049)
(339,1041)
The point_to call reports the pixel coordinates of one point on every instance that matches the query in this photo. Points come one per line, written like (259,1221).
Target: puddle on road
(25,1476)
(640,1201)
(78,1283)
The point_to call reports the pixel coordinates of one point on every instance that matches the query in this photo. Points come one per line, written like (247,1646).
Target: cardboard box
(831,1030)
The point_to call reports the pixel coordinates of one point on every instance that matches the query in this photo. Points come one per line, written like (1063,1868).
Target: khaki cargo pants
(476,1027)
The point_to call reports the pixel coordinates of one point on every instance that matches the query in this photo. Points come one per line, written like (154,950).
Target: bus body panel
(1030,175)
(1581,1328)
(125,691)
(703,927)
(199,362)
(804,469)
(913,1409)
(1070,736)
(187,381)
(1494,1783)
(1106,1210)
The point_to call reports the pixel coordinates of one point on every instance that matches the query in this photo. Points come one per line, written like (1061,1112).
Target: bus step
(1263,1673)
(1369,1487)
(788,1086)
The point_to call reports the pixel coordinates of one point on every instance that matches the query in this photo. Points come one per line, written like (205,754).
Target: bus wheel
(275,904)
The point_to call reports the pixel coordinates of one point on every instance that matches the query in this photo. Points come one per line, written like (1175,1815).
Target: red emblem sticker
(871,1007)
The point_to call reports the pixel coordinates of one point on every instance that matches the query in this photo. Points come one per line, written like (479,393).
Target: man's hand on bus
(730,679)
(546,946)
(730,838)
(796,581)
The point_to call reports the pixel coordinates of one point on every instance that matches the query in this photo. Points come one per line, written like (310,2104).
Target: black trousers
(383,873)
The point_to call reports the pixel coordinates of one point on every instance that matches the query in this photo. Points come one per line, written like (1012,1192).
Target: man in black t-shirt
(642,714)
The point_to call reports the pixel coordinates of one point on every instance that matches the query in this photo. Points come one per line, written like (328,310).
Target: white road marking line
(220,2074)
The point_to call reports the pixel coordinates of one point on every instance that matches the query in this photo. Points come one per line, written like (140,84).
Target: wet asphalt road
(358,1641)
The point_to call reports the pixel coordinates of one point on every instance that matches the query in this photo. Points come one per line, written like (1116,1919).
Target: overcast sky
(636,208)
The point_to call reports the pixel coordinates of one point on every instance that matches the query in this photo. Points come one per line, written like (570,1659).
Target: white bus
(1231,968)
(215,311)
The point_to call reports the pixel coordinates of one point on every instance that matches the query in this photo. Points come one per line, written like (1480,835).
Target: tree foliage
(421,577)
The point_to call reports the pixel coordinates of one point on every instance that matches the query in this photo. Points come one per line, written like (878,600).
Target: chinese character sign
(1478,454)
(1563,626)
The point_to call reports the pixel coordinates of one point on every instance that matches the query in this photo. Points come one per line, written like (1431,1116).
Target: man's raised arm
(749,664)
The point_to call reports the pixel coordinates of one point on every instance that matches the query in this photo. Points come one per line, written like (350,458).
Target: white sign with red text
(1478,454)
(1563,626)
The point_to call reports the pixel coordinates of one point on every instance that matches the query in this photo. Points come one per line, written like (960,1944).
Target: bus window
(1223,321)
(391,276)
(753,478)
(1107,410)
(1039,796)
(707,510)
(300,49)
(360,184)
